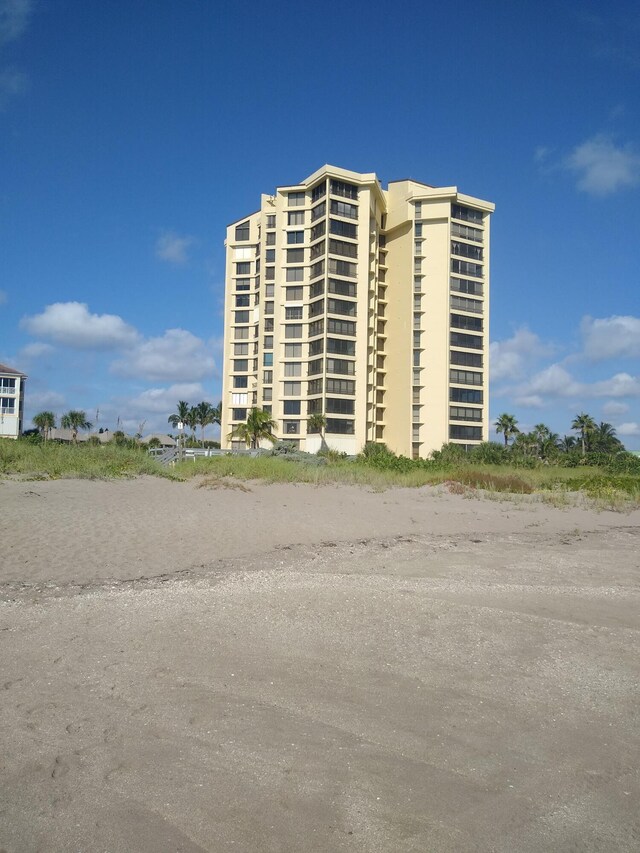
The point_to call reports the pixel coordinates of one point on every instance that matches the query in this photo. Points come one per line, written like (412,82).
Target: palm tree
(508,425)
(182,413)
(207,414)
(45,421)
(604,438)
(75,420)
(567,443)
(258,426)
(316,422)
(192,422)
(584,424)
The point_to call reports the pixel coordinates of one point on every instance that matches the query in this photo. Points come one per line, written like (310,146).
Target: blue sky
(132,132)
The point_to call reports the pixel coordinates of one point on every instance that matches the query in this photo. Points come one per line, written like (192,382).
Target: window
(342,288)
(341,327)
(239,332)
(267,394)
(418,209)
(316,328)
(318,230)
(293,294)
(463,285)
(418,229)
(243,269)
(269,273)
(314,367)
(316,308)
(269,290)
(296,199)
(318,191)
(291,427)
(242,231)
(341,386)
(243,254)
(467,232)
(466,268)
(316,347)
(468,359)
(469,433)
(239,399)
(270,239)
(340,426)
(293,350)
(317,269)
(340,365)
(339,247)
(340,346)
(268,307)
(465,377)
(242,301)
(268,342)
(343,208)
(270,256)
(295,256)
(295,274)
(239,415)
(267,409)
(292,389)
(295,237)
(293,313)
(316,289)
(267,359)
(296,217)
(318,249)
(466,213)
(343,229)
(461,321)
(318,211)
(241,349)
(240,382)
(271,220)
(294,330)
(343,189)
(293,368)
(340,407)
(240,364)
(461,413)
(291,407)
(465,395)
(267,376)
(464,250)
(340,306)
(343,268)
(243,284)
(241,317)
(457,339)
(416,358)
(464,304)
(314,387)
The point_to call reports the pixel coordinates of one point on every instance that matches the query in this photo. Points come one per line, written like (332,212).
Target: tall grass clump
(52,461)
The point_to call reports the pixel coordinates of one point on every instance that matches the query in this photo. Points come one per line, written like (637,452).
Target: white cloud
(38,349)
(533,401)
(509,359)
(554,381)
(620,385)
(611,337)
(14,17)
(630,428)
(613,408)
(44,400)
(71,324)
(163,401)
(177,355)
(173,248)
(602,167)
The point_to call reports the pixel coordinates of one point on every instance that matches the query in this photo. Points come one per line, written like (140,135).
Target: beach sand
(294,668)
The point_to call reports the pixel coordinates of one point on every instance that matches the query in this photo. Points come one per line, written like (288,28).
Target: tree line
(542,443)
(192,417)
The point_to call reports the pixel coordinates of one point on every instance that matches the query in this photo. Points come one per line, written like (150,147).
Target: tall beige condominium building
(368,306)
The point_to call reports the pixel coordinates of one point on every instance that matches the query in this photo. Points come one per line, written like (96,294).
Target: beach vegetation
(75,420)
(45,422)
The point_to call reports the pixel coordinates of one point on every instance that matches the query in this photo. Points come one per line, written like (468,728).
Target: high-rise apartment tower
(365,305)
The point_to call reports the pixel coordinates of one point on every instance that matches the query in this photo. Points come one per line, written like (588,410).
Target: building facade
(12,384)
(366,305)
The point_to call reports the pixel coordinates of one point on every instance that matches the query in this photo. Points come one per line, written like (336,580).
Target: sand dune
(292,668)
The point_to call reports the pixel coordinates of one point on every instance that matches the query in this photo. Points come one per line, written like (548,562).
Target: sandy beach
(294,668)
